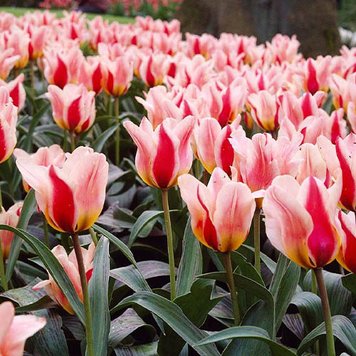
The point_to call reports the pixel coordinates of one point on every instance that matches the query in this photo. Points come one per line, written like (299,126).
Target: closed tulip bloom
(221,212)
(264,110)
(72,196)
(11,218)
(16,90)
(15,330)
(162,154)
(70,266)
(73,107)
(346,256)
(45,156)
(8,120)
(153,69)
(8,60)
(300,220)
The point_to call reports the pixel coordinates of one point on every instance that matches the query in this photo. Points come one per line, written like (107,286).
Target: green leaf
(117,242)
(27,210)
(54,268)
(147,218)
(349,282)
(100,141)
(343,329)
(283,287)
(126,324)
(191,263)
(98,293)
(309,306)
(173,316)
(137,350)
(249,332)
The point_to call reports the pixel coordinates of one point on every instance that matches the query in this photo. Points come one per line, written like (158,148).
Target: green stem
(330,344)
(32,79)
(2,270)
(83,280)
(117,132)
(170,248)
(45,232)
(93,236)
(73,143)
(231,283)
(256,239)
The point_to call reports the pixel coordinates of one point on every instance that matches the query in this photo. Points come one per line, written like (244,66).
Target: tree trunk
(314,22)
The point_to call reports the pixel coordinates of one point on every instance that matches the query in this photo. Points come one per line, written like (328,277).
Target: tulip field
(173,194)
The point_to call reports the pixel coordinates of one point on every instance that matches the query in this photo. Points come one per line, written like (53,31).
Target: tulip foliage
(170,196)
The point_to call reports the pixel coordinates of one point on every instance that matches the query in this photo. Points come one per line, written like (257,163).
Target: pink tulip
(346,256)
(300,220)
(221,212)
(8,120)
(18,40)
(45,156)
(7,61)
(91,74)
(73,107)
(11,218)
(153,69)
(16,90)
(264,110)
(316,74)
(118,75)
(162,154)
(15,330)
(38,40)
(72,196)
(70,266)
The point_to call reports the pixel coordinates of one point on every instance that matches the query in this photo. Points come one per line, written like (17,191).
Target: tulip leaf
(191,261)
(117,242)
(343,329)
(147,218)
(98,293)
(248,332)
(54,268)
(349,282)
(127,323)
(99,142)
(27,210)
(171,314)
(310,309)
(137,350)
(283,286)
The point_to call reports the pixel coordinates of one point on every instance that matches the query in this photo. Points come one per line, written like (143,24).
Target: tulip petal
(7,313)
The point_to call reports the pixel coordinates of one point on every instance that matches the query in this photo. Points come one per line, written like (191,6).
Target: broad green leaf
(117,242)
(283,287)
(126,324)
(309,306)
(171,314)
(190,263)
(340,298)
(138,350)
(147,218)
(249,332)
(27,210)
(249,251)
(343,329)
(54,268)
(98,294)
(100,141)
(349,282)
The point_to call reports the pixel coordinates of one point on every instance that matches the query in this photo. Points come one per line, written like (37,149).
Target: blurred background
(321,26)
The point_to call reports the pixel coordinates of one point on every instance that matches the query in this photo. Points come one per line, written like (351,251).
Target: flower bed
(192,196)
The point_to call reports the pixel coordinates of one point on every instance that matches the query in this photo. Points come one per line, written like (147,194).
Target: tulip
(91,74)
(221,212)
(346,255)
(72,196)
(301,223)
(162,154)
(15,330)
(221,215)
(11,218)
(70,266)
(16,90)
(45,156)
(300,220)
(264,110)
(73,107)
(8,120)
(7,61)
(153,69)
